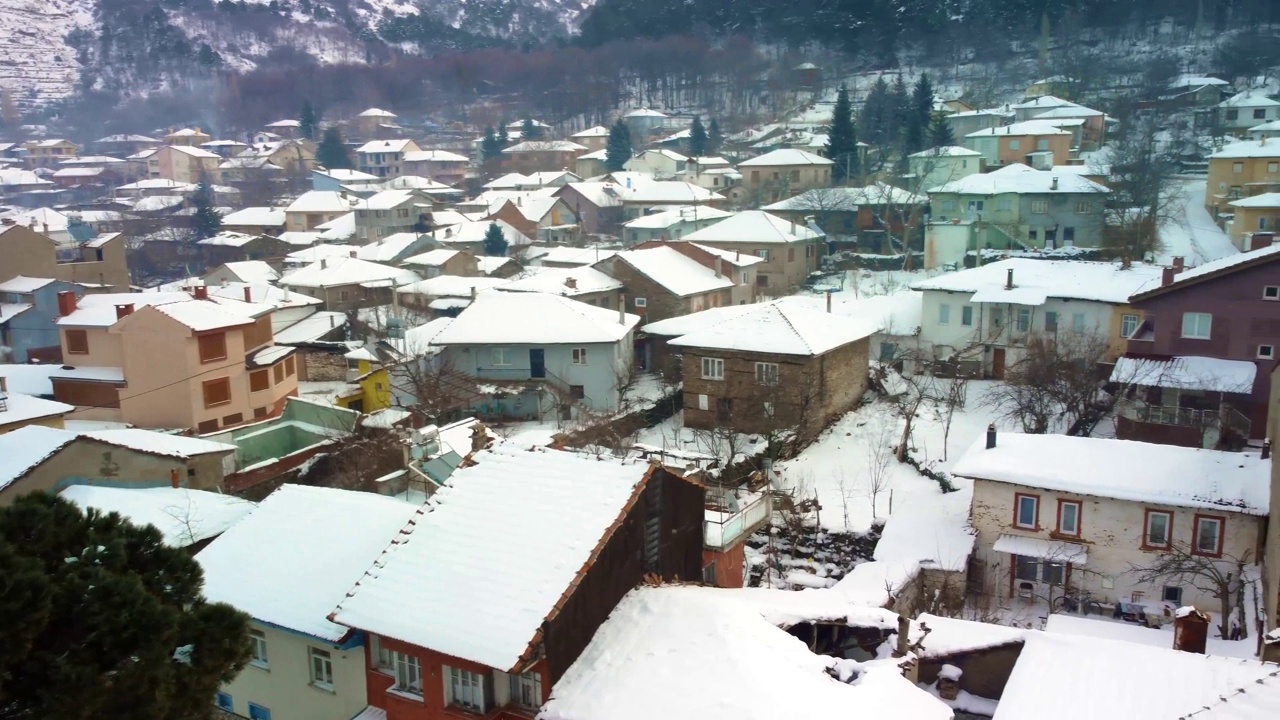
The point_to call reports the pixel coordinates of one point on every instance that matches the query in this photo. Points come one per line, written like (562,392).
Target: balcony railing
(721,529)
(1169,415)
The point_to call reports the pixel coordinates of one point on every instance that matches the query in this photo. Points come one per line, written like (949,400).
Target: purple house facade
(1199,365)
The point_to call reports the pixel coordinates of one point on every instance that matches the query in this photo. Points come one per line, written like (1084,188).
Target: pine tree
(618,151)
(206,222)
(308,121)
(919,114)
(940,134)
(529,130)
(901,110)
(490,145)
(876,117)
(842,139)
(102,619)
(697,138)
(332,153)
(713,137)
(495,243)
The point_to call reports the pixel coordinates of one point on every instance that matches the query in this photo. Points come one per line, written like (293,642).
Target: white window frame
(529,683)
(258,655)
(465,689)
(1168,527)
(407,668)
(1128,325)
(1035,512)
(1039,207)
(320,663)
(579,356)
(1266,352)
(1195,331)
(500,357)
(1195,536)
(1077,322)
(766,373)
(703,402)
(712,368)
(762,254)
(944,313)
(1062,506)
(1022,320)
(639,302)
(1237,168)
(1271,293)
(1083,207)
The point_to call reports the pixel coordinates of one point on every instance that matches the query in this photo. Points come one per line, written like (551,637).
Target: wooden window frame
(204,392)
(1146,529)
(1079,517)
(263,373)
(200,347)
(277,373)
(83,345)
(1195,534)
(1017,507)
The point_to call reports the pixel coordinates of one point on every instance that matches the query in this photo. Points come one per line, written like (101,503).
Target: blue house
(28,317)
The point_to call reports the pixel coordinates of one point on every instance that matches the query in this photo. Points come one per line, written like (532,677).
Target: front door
(537,363)
(997,363)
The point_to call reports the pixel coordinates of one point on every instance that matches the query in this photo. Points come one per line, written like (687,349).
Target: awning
(1015,296)
(1054,550)
(1187,373)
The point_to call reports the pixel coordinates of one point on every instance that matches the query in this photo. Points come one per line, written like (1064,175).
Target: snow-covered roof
(311,328)
(8,311)
(534,318)
(781,328)
(1066,279)
(1187,373)
(946,151)
(385,146)
(1124,470)
(158,443)
(645,190)
(20,408)
(256,216)
(229,238)
(24,284)
(488,265)
(345,175)
(193,151)
(733,257)
(390,247)
(1249,99)
(253,271)
(474,232)
(293,559)
(338,229)
(183,516)
(434,156)
(568,282)
(27,447)
(1019,178)
(317,252)
(753,227)
(1196,81)
(561,255)
(644,112)
(1068,112)
(335,271)
(377,112)
(544,146)
(1043,101)
(848,198)
(206,315)
(431,258)
(676,215)
(678,273)
(1027,127)
(1261,148)
(1265,200)
(99,310)
(319,201)
(597,131)
(690,653)
(156,203)
(1221,266)
(453,286)
(554,509)
(787,156)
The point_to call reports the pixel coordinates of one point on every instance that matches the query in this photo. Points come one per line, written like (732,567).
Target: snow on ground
(1103,626)
(671,436)
(1193,235)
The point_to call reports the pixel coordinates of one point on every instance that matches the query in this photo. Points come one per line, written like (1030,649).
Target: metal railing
(1170,415)
(722,529)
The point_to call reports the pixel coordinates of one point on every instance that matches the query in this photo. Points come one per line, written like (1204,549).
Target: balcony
(730,518)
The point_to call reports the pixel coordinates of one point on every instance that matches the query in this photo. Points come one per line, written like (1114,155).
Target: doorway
(537,363)
(997,363)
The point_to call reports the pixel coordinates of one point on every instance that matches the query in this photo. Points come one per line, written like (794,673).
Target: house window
(500,357)
(702,402)
(1069,518)
(526,690)
(966,315)
(1197,326)
(278,372)
(640,302)
(1266,352)
(997,318)
(1004,202)
(1026,568)
(259,380)
(1015,144)
(1052,573)
(213,347)
(762,254)
(944,314)
(1237,168)
(466,689)
(745,279)
(1084,207)
(1050,321)
(791,254)
(1040,207)
(289,367)
(1077,322)
(762,281)
(1128,325)
(77,342)
(766,373)
(223,701)
(1260,114)
(1156,529)
(1233,114)
(1208,535)
(1026,511)
(888,351)
(579,356)
(408,673)
(1069,235)
(1172,594)
(321,668)
(975,206)
(577,392)
(1271,292)
(1022,320)
(712,368)
(1273,168)
(948,204)
(257,712)
(258,651)
(217,392)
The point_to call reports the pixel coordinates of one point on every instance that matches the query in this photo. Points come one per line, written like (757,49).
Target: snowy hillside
(36,64)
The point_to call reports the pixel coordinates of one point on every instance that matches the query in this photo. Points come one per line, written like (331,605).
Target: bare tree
(1222,578)
(430,385)
(1143,193)
(879,453)
(1057,379)
(954,392)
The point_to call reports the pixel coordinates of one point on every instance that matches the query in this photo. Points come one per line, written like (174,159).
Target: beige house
(385,158)
(314,208)
(190,137)
(790,251)
(183,163)
(375,122)
(100,261)
(1256,214)
(783,173)
(533,156)
(439,165)
(48,153)
(1037,143)
(593,138)
(1242,170)
(1058,511)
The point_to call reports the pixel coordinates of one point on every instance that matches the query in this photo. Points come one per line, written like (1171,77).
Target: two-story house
(1209,341)
(661,163)
(783,173)
(1240,170)
(1253,215)
(581,531)
(439,165)
(1245,110)
(983,317)
(189,137)
(1013,207)
(593,138)
(537,354)
(790,250)
(533,156)
(183,164)
(940,165)
(302,666)
(389,212)
(347,283)
(662,282)
(384,158)
(375,123)
(1033,142)
(28,318)
(1054,512)
(101,261)
(314,208)
(48,153)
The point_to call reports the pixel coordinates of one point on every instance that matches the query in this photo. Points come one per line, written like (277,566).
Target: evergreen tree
(332,153)
(206,222)
(919,114)
(102,619)
(842,139)
(940,134)
(308,121)
(618,151)
(495,243)
(490,145)
(529,130)
(714,138)
(875,121)
(901,103)
(698,140)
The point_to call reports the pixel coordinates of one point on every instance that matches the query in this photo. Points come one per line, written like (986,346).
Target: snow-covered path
(1193,235)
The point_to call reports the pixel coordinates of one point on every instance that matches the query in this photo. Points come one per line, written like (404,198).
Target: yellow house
(1242,170)
(373,379)
(1256,214)
(1125,319)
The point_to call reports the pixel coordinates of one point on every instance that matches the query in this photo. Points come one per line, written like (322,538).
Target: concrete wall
(1113,532)
(284,687)
(89,462)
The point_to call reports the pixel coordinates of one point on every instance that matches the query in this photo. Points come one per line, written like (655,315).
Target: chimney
(828,302)
(1266,444)
(1054,184)
(324,263)
(473,293)
(353,252)
(991,436)
(4,384)
(201,292)
(1166,276)
(1261,241)
(1178,264)
(173,477)
(8,221)
(124,310)
(66,302)
(622,309)
(1190,630)
(248,293)
(1008,280)
(719,266)
(571,283)
(479,437)
(949,682)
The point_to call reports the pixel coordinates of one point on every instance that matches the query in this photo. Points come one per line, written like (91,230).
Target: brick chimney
(124,310)
(67,302)
(200,292)
(1190,630)
(571,283)
(248,293)
(1179,264)
(1166,276)
(1261,241)
(173,477)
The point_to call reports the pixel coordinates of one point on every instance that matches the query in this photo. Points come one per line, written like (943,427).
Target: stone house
(790,250)
(1058,511)
(783,173)
(661,281)
(1240,170)
(774,368)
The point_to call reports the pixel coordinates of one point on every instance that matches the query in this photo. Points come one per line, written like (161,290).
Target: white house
(1246,110)
(1060,510)
(661,163)
(983,317)
(936,166)
(288,565)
